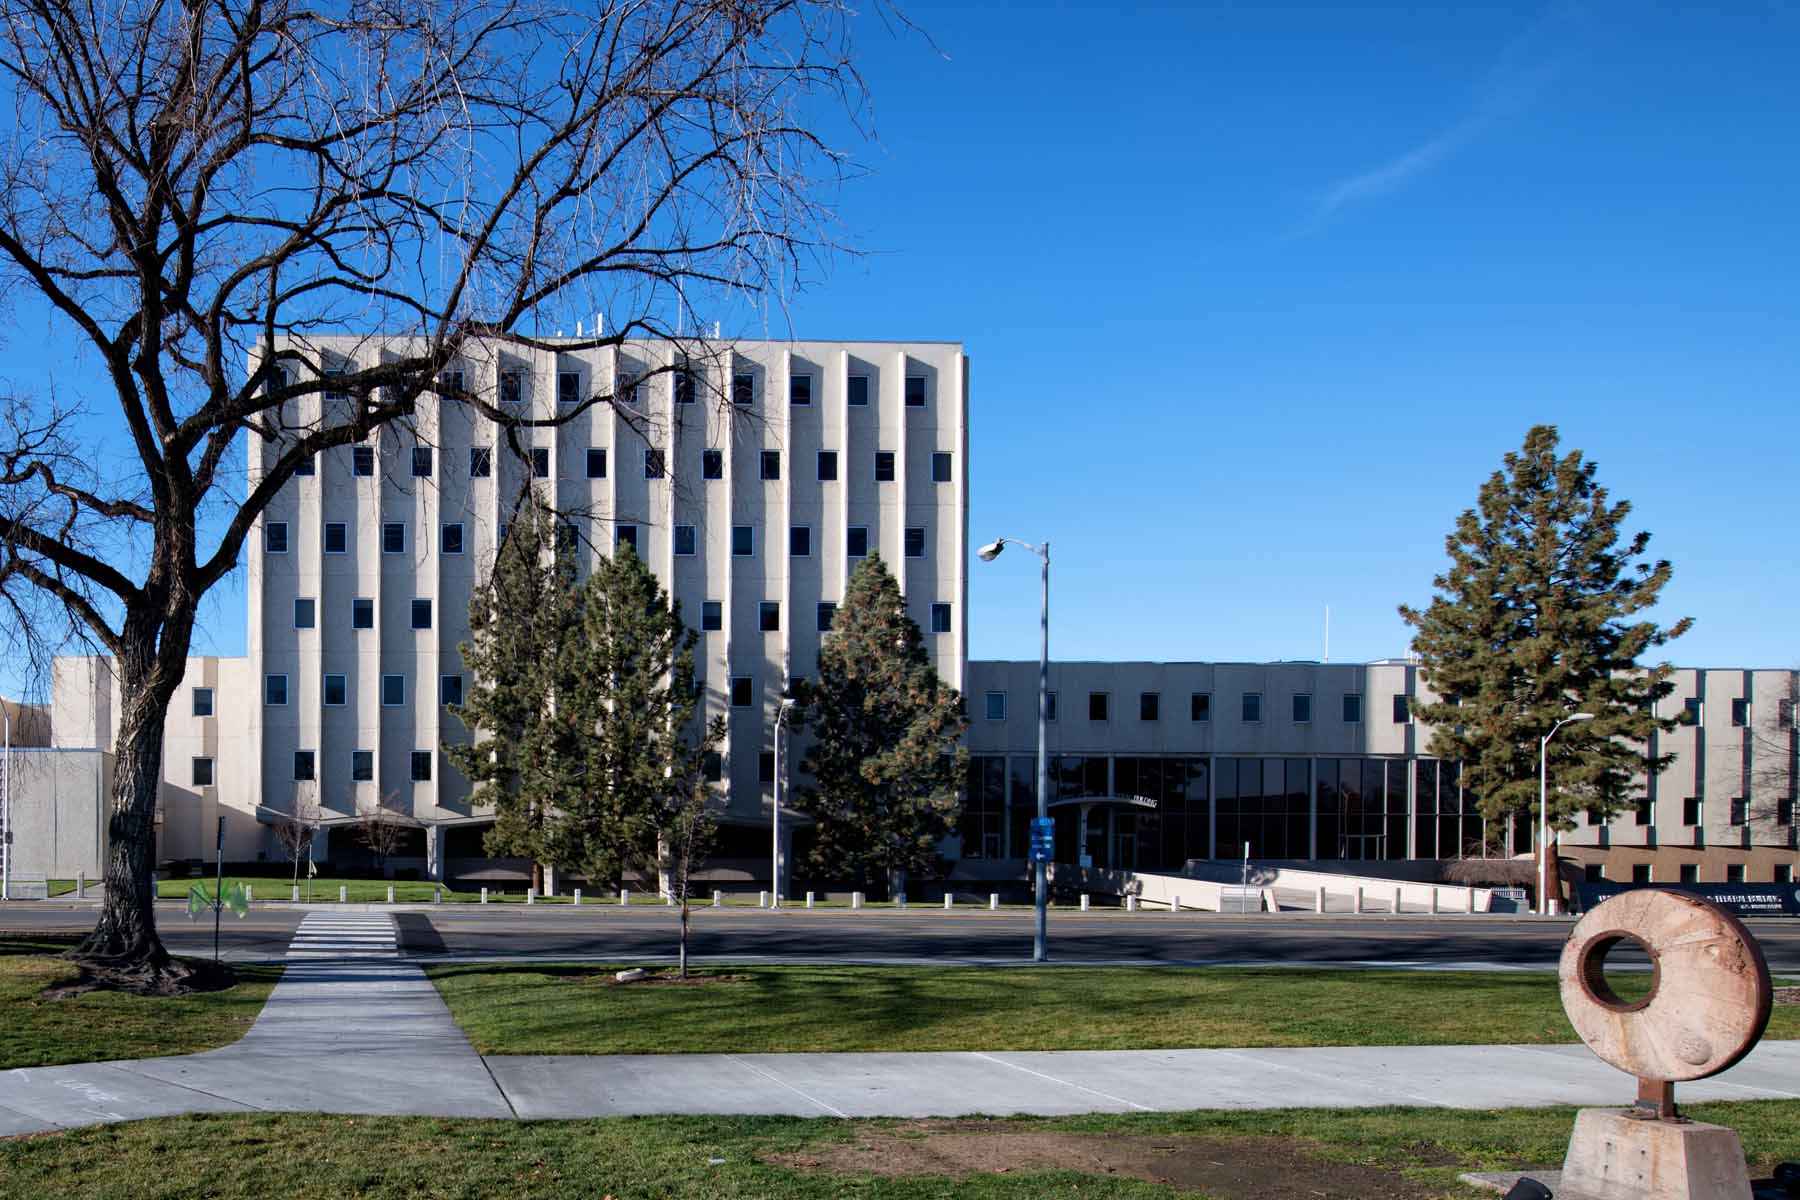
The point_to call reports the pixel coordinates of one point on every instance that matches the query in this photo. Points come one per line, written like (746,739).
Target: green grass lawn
(1418,1152)
(35,1032)
(534,1009)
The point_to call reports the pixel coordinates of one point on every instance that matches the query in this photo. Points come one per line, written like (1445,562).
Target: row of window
(712,464)
(452,539)
(1693,811)
(1690,873)
(1250,707)
(1692,710)
(335,692)
(362,767)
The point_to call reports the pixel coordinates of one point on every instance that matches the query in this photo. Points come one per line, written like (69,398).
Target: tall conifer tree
(1537,618)
(887,760)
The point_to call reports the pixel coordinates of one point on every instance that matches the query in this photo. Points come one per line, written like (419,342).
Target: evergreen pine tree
(1537,618)
(522,620)
(886,763)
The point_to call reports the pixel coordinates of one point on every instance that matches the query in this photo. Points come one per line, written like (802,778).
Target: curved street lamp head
(1582,717)
(991,551)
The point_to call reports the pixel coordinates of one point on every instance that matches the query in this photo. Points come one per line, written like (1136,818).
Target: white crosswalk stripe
(345,935)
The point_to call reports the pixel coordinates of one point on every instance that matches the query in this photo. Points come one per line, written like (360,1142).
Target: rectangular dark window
(306,466)
(421,614)
(827,611)
(940,466)
(421,766)
(337,691)
(827,466)
(1784,811)
(362,613)
(275,537)
(1784,714)
(800,389)
(596,462)
(362,766)
(540,462)
(203,702)
(481,462)
(743,691)
(940,618)
(568,387)
(713,766)
(336,537)
(1402,711)
(1690,872)
(1097,705)
(712,616)
(771,464)
(362,461)
(1690,811)
(654,467)
(393,537)
(1593,873)
(800,541)
(915,391)
(512,387)
(712,464)
(275,690)
(203,772)
(1644,811)
(393,691)
(743,541)
(768,616)
(1740,713)
(859,391)
(884,466)
(421,462)
(996,706)
(1302,709)
(684,387)
(1740,810)
(1784,873)
(450,690)
(626,535)
(1149,706)
(856,542)
(567,536)
(915,541)
(1251,707)
(1640,872)
(450,539)
(1049,706)
(1734,872)
(304,612)
(743,390)
(303,765)
(334,384)
(450,382)
(765,767)
(1200,706)
(1690,711)
(686,540)
(1352,708)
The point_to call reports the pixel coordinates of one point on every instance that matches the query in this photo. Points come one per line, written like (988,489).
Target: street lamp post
(1544,809)
(1040,942)
(775,824)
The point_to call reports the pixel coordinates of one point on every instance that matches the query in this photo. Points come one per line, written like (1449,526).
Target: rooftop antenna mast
(1328,633)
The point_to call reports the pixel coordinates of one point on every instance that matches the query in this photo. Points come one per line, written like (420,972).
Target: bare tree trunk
(125,937)
(681,957)
(537,877)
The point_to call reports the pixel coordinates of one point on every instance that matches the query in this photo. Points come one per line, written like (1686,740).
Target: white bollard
(1469,901)
(390,893)
(900,900)
(624,897)
(856,899)
(484,895)
(762,899)
(993,901)
(296,895)
(718,898)
(1319,901)
(809,899)
(1130,904)
(1434,900)
(668,899)
(1399,902)
(531,895)
(949,902)
(577,897)
(1175,904)
(437,895)
(249,893)
(1084,902)
(81,885)
(1356,904)
(343,894)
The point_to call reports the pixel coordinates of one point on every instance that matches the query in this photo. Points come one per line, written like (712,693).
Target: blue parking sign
(1043,839)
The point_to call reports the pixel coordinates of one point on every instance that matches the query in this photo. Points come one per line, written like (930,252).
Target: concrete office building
(1156,764)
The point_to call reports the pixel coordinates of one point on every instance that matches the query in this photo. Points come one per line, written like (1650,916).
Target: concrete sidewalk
(370,1035)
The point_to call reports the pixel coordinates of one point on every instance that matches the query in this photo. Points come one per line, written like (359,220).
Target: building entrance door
(1124,839)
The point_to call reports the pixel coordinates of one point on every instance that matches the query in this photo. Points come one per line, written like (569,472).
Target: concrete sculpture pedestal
(1614,1155)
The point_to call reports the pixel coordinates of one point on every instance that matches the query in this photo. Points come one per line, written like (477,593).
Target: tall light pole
(1040,950)
(775,825)
(1544,809)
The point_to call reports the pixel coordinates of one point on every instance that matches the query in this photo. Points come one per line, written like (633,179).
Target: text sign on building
(1739,899)
(1043,839)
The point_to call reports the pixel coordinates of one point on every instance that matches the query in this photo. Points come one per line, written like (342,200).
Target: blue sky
(1257,296)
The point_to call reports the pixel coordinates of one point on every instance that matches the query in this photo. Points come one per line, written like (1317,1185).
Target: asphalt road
(921,934)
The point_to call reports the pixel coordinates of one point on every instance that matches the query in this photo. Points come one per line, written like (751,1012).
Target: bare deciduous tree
(382,831)
(297,830)
(198,194)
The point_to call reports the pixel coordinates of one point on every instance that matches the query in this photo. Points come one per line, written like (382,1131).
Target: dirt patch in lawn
(672,980)
(1241,1168)
(1787,995)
